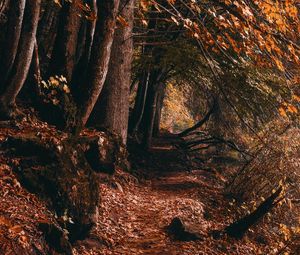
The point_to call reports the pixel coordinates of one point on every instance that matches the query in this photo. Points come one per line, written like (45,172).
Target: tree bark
(159,106)
(13,32)
(140,101)
(80,43)
(149,117)
(91,25)
(112,108)
(31,89)
(35,69)
(156,81)
(46,34)
(144,78)
(64,51)
(3,5)
(80,72)
(148,121)
(23,58)
(100,56)
(4,8)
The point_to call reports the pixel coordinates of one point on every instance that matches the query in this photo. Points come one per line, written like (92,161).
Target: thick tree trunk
(22,62)
(112,108)
(100,56)
(9,49)
(64,51)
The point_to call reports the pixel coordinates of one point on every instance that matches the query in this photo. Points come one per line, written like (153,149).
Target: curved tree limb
(201,122)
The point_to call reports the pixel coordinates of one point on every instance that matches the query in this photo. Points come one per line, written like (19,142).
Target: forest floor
(135,214)
(135,209)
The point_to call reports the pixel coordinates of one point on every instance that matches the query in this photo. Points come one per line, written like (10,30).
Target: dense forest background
(114,104)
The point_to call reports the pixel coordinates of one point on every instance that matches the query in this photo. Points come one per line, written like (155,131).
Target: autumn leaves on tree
(81,78)
(90,44)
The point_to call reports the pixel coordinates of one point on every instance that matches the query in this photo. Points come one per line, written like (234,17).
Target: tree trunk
(152,102)
(9,49)
(3,6)
(143,77)
(91,25)
(31,90)
(140,101)
(159,106)
(4,14)
(100,56)
(149,83)
(64,51)
(156,81)
(149,117)
(80,43)
(46,33)
(80,72)
(112,108)
(35,70)
(23,58)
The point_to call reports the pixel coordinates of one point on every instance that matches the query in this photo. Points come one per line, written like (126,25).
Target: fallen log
(238,228)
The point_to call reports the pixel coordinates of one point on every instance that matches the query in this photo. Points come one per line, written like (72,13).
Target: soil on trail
(134,215)
(134,210)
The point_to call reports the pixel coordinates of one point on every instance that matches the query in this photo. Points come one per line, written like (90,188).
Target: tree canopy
(201,97)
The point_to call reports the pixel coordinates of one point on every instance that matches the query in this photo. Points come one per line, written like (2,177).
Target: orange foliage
(267,28)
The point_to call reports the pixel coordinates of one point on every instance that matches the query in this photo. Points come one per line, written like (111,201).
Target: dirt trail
(134,212)
(143,213)
(134,216)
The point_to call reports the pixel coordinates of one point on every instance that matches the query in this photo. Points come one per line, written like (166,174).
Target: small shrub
(59,108)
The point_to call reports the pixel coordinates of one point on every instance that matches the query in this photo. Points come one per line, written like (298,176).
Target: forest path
(134,216)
